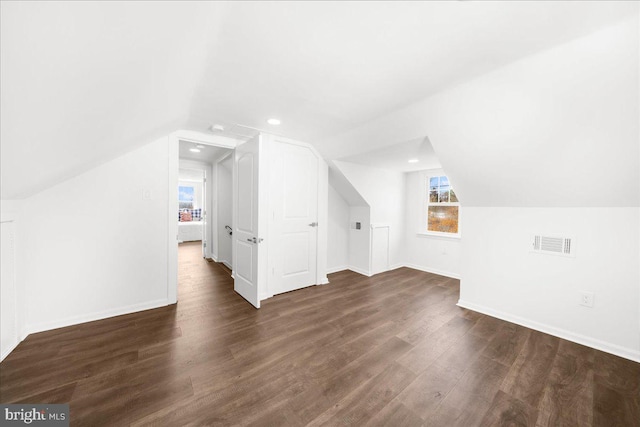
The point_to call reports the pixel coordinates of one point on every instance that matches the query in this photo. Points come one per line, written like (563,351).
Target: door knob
(313,224)
(252,240)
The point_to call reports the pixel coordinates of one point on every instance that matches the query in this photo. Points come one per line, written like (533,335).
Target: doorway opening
(199,205)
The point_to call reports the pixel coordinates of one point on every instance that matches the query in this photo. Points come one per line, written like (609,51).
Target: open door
(249,220)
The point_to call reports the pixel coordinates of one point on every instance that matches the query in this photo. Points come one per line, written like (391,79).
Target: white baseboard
(432,271)
(226,263)
(324,280)
(359,271)
(90,317)
(349,267)
(9,350)
(624,352)
(336,269)
(394,267)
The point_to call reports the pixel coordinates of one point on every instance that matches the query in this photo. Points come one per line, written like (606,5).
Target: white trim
(99,315)
(227,264)
(395,267)
(206,138)
(172,224)
(10,218)
(437,235)
(215,229)
(360,271)
(433,271)
(10,349)
(336,269)
(625,352)
(380,225)
(373,227)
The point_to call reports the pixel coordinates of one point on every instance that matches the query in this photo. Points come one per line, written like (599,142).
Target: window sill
(439,235)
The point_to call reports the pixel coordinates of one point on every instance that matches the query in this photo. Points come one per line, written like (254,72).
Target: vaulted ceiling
(84,82)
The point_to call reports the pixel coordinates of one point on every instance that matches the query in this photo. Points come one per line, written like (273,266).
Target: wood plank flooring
(391,350)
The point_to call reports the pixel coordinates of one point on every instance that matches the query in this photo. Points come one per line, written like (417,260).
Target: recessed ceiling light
(216,128)
(194,150)
(274,122)
(413,160)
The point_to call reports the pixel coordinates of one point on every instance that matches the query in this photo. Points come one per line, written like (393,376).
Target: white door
(294,193)
(249,220)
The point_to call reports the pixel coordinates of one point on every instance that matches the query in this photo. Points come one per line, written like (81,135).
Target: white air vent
(552,245)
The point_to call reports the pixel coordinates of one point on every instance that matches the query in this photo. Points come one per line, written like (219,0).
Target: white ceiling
(207,154)
(326,67)
(84,82)
(396,157)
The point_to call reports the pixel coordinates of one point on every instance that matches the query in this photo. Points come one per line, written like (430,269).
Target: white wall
(97,243)
(11,215)
(501,277)
(9,308)
(224,187)
(338,232)
(360,240)
(384,191)
(435,254)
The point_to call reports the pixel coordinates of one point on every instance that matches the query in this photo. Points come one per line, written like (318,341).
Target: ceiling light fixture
(194,150)
(274,122)
(413,160)
(216,128)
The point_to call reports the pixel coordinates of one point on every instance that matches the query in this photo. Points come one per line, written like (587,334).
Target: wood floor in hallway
(393,349)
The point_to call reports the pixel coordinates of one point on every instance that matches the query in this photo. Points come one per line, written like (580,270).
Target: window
(185,197)
(443,207)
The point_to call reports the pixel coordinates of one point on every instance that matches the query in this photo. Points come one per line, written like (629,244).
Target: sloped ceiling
(560,128)
(83,82)
(344,187)
(409,156)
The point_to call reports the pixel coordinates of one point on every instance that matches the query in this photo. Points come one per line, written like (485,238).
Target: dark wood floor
(388,350)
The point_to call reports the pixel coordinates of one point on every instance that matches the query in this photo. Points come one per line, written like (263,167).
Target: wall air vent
(552,245)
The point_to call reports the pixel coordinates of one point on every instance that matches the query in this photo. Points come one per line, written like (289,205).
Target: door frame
(215,172)
(172,201)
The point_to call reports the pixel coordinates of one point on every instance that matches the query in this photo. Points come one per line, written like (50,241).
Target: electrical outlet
(586,299)
(147,194)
